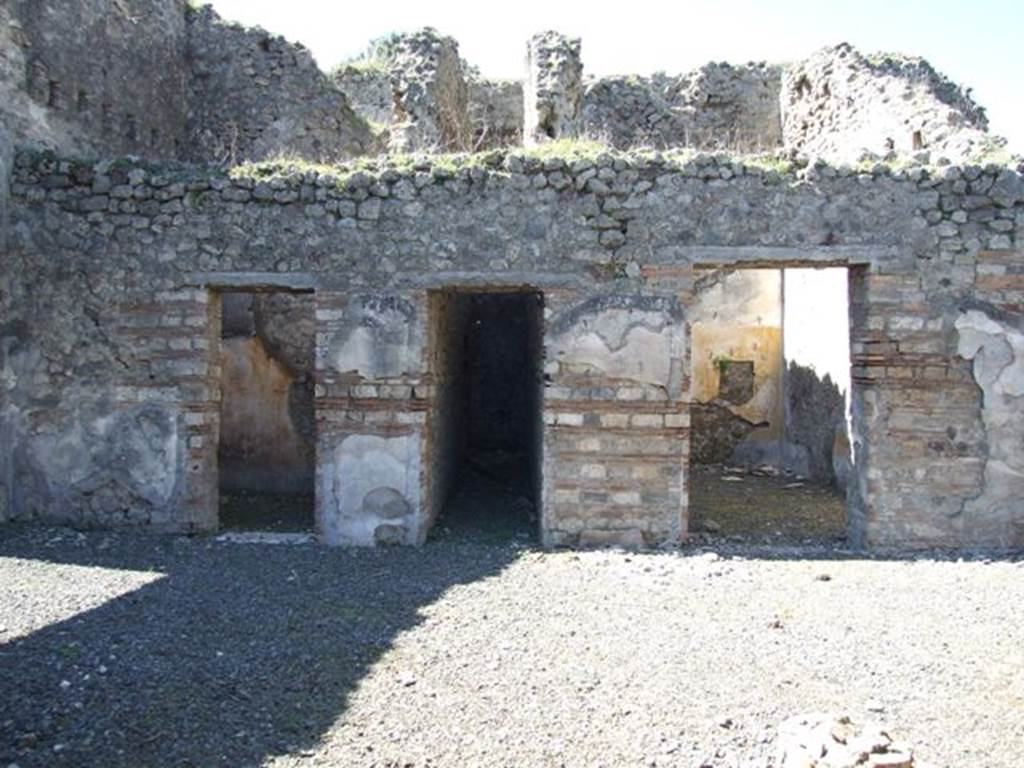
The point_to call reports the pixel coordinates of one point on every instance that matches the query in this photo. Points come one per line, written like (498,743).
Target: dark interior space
(266,454)
(486,421)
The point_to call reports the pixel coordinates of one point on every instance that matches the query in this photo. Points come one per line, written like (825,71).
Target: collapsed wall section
(253,96)
(494,108)
(496,113)
(95,76)
(367,86)
(431,99)
(553,89)
(841,104)
(718,107)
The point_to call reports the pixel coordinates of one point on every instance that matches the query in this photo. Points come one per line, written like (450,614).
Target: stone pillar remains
(431,99)
(553,91)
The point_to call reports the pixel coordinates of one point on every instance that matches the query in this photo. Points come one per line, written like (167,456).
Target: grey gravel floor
(131,650)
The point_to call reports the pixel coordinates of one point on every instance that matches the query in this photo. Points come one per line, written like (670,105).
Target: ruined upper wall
(553,89)
(494,107)
(719,107)
(95,76)
(253,95)
(841,104)
(162,79)
(367,86)
(496,112)
(431,98)
(838,104)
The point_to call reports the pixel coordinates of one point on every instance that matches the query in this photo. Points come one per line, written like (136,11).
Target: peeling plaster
(378,338)
(997,353)
(641,343)
(137,455)
(371,490)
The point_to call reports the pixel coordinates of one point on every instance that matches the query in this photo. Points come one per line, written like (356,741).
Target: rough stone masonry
(114,271)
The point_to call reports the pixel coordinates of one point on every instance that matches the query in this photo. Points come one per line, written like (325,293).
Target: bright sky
(975,42)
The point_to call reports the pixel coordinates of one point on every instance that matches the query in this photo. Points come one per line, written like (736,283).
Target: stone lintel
(295,282)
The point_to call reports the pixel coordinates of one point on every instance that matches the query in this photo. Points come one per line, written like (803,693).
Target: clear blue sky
(977,43)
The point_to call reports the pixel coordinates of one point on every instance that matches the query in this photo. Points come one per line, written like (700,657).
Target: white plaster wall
(816,322)
(363,471)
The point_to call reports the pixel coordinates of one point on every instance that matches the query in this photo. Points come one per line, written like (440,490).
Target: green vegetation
(722,364)
(376,58)
(993,151)
(775,168)
(441,165)
(771,162)
(566,149)
(361,67)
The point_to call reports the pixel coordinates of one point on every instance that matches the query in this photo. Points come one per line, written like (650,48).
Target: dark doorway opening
(485,427)
(266,452)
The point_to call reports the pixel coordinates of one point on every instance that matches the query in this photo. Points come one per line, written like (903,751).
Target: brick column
(616,421)
(371,407)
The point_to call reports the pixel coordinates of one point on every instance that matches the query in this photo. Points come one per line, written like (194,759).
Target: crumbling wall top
(253,95)
(431,99)
(843,104)
(100,76)
(553,90)
(717,107)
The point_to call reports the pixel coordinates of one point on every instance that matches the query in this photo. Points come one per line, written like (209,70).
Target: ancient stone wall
(496,112)
(368,90)
(96,76)
(841,104)
(253,95)
(110,395)
(815,419)
(494,108)
(553,89)
(719,107)
(165,79)
(431,99)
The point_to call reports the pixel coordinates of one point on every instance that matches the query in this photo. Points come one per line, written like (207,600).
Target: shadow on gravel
(238,653)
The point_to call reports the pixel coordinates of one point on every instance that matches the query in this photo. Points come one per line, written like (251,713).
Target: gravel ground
(134,650)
